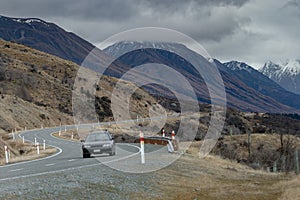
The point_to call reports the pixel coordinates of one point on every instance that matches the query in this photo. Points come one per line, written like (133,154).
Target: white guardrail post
(6,154)
(38,148)
(44,144)
(142,141)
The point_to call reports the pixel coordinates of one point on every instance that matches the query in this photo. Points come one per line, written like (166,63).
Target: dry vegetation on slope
(36,89)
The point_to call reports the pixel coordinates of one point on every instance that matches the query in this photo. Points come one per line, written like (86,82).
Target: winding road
(68,157)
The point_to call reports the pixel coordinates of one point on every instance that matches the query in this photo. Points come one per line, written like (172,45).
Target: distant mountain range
(286,74)
(246,88)
(45,36)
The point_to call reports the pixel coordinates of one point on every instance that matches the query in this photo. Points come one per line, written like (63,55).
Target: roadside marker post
(35,141)
(44,144)
(65,129)
(13,135)
(59,132)
(38,148)
(163,133)
(142,141)
(296,162)
(6,154)
(173,135)
(23,139)
(72,136)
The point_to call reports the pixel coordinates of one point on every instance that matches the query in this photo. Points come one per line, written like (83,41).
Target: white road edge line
(30,161)
(15,170)
(73,168)
(51,164)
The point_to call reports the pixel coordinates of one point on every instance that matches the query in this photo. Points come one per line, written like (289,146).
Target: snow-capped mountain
(237,77)
(261,83)
(44,36)
(125,46)
(286,74)
(239,66)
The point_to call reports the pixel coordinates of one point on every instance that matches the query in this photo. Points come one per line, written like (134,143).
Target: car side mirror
(81,140)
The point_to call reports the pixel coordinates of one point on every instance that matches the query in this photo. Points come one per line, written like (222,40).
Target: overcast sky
(252,31)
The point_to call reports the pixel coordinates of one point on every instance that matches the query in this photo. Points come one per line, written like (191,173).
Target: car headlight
(107,145)
(86,146)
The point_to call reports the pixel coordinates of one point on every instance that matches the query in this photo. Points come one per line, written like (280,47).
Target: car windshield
(97,137)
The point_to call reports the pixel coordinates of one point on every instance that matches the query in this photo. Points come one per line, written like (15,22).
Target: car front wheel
(86,155)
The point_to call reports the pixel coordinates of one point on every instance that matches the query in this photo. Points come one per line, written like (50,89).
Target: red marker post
(142,143)
(173,135)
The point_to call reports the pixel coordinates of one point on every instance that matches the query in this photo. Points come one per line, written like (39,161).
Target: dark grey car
(98,142)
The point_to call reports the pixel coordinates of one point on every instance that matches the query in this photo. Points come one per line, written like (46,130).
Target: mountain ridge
(286,74)
(239,94)
(46,37)
(68,46)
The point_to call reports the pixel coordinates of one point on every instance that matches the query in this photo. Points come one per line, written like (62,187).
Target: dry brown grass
(67,135)
(215,178)
(30,152)
(291,189)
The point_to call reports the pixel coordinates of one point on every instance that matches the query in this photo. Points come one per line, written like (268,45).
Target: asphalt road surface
(66,175)
(68,157)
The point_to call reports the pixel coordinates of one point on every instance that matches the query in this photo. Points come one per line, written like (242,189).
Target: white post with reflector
(35,141)
(6,154)
(72,136)
(173,135)
(23,139)
(163,133)
(142,143)
(44,144)
(38,148)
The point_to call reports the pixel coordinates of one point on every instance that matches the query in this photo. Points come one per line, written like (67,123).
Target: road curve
(68,157)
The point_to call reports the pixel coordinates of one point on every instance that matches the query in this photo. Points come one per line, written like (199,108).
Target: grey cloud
(90,10)
(177,5)
(246,30)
